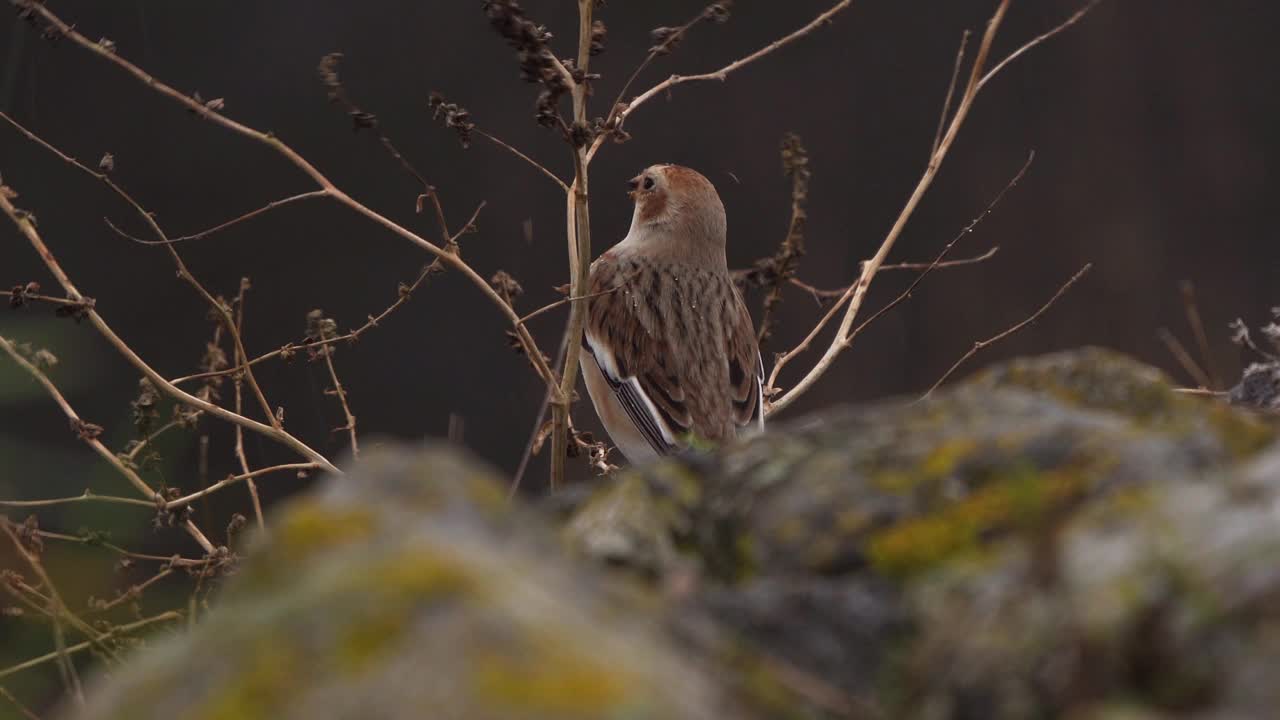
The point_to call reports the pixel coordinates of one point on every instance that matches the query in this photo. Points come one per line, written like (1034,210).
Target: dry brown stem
(208,112)
(78,647)
(578,221)
(723,73)
(28,230)
(979,345)
(857,292)
(183,272)
(56,608)
(88,432)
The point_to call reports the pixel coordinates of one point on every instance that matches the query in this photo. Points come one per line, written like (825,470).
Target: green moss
(419,573)
(944,459)
(368,639)
(552,681)
(263,687)
(1017,500)
(1243,433)
(313,527)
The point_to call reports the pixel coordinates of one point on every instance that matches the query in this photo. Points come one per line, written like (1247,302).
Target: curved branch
(723,73)
(208,112)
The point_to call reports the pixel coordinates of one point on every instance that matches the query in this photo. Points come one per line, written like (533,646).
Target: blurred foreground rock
(1061,536)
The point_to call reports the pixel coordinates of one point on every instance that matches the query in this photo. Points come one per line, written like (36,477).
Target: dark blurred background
(1153,124)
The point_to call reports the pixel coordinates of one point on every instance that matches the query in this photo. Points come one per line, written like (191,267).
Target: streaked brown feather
(684,333)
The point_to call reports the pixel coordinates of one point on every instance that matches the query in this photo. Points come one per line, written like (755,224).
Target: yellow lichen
(553,681)
(1005,503)
(313,527)
(261,687)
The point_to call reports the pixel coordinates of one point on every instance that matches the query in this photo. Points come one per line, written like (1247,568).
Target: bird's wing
(637,364)
(746,368)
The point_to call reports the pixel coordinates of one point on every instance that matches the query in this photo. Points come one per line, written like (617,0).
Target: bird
(669,351)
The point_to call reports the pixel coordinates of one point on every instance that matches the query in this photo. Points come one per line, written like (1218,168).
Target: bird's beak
(633,187)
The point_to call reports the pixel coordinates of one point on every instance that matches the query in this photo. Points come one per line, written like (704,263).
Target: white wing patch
(632,397)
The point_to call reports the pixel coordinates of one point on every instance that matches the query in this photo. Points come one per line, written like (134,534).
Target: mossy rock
(1033,540)
(411,588)
(1063,536)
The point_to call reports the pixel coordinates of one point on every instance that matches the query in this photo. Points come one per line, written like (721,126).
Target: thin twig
(857,292)
(1076,17)
(95,540)
(676,35)
(232,480)
(241,457)
(1192,310)
(133,592)
(527,455)
(821,295)
(341,393)
(723,73)
(65,667)
(1183,357)
(235,220)
(113,632)
(564,301)
(89,432)
(23,709)
(26,296)
(132,454)
(951,91)
(209,112)
(781,267)
(979,345)
(28,229)
(87,497)
(938,262)
(511,149)
(290,349)
(578,222)
(183,272)
(1202,392)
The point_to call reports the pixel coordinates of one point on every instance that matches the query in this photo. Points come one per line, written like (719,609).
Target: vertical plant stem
(579,235)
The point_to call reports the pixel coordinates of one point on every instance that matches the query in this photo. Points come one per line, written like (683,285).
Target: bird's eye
(648,183)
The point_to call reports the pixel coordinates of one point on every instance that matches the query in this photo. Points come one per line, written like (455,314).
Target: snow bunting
(669,354)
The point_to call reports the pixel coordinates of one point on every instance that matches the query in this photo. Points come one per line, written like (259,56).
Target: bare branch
(233,479)
(56,609)
(951,91)
(78,647)
(28,229)
(88,432)
(1076,17)
(977,346)
(511,149)
(341,393)
(241,457)
(1180,354)
(233,221)
(857,292)
(565,301)
(86,497)
(1192,310)
(404,292)
(723,73)
(183,272)
(578,222)
(938,262)
(210,112)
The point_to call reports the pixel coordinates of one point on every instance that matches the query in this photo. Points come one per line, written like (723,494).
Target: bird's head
(675,199)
